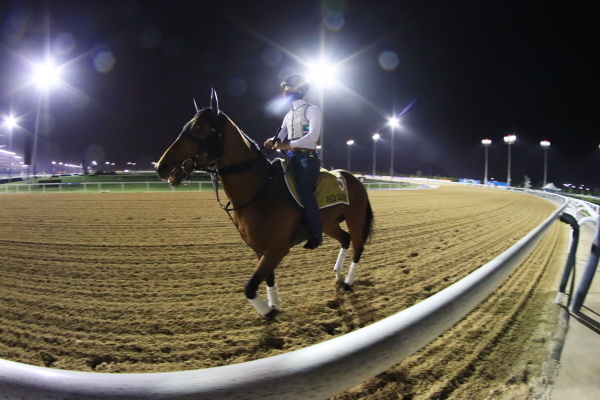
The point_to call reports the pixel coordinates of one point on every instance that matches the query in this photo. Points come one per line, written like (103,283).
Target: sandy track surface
(154,282)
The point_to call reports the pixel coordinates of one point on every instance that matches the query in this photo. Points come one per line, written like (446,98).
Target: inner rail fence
(319,371)
(146,187)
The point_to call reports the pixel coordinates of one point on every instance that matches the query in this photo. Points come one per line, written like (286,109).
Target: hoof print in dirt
(273,343)
(48,359)
(101,363)
(272,314)
(333,304)
(332,328)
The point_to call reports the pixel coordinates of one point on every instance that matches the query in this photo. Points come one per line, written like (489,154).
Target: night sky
(456,71)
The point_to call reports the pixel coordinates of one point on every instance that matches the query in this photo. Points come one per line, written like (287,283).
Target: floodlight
(10,122)
(46,75)
(321,73)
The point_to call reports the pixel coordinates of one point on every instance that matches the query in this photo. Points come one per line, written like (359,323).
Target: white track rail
(315,372)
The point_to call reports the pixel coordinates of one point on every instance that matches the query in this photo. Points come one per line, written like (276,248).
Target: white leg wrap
(260,305)
(351,273)
(339,264)
(273,295)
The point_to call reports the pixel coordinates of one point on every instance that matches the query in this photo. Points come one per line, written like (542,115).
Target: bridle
(213,147)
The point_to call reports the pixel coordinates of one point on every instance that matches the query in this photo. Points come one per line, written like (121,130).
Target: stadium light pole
(394,122)
(509,140)
(486,144)
(545,146)
(376,137)
(322,73)
(349,143)
(45,76)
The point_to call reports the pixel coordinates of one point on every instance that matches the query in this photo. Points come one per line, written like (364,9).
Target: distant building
(11,165)
(551,188)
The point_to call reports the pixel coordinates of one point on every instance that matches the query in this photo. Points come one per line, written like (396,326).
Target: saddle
(331,186)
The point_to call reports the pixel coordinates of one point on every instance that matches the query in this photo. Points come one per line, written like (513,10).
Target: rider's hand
(268,144)
(283,146)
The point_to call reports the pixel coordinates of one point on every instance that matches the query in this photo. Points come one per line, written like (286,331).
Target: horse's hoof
(347,288)
(272,314)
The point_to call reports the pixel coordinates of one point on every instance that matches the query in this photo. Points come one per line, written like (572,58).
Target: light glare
(46,75)
(10,122)
(321,73)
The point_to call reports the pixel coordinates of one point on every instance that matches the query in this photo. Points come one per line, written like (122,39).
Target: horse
(212,142)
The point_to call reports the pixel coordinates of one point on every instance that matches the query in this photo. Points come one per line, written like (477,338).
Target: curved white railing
(318,371)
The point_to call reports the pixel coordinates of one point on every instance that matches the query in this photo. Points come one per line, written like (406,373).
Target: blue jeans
(305,170)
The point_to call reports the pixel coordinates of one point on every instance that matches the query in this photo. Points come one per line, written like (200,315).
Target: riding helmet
(298,83)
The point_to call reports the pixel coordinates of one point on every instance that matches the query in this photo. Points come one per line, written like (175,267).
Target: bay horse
(212,142)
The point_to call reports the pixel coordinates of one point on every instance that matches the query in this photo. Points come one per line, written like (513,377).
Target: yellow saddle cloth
(331,188)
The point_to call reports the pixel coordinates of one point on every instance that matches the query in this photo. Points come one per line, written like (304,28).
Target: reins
(214,146)
(234,169)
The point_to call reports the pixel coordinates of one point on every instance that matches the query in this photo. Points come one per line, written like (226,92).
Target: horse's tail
(369,223)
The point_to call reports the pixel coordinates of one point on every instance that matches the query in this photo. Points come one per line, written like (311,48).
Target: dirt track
(154,282)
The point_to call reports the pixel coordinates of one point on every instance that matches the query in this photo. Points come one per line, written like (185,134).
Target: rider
(302,126)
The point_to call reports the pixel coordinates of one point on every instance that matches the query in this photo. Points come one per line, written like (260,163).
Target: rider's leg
(305,167)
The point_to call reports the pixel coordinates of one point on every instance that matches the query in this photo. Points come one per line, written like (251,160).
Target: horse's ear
(196,105)
(214,101)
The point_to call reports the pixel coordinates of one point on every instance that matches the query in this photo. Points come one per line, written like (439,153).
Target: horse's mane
(249,139)
(207,113)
